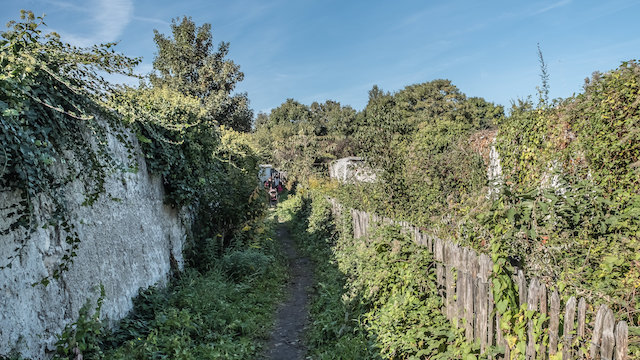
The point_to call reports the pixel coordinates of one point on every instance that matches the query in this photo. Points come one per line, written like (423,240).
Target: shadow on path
(286,341)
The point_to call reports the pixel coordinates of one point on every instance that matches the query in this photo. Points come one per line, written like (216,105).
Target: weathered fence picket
(464,282)
(622,340)
(582,319)
(554,322)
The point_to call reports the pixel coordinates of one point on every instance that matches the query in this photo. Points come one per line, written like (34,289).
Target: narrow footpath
(286,341)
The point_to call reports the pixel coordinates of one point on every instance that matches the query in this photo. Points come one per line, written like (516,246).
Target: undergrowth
(374,298)
(225,312)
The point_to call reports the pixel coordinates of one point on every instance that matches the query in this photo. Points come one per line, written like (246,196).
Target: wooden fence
(463,281)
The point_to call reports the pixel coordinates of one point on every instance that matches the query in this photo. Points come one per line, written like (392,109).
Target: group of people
(273,185)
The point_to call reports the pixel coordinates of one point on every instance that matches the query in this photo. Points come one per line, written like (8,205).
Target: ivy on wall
(49,93)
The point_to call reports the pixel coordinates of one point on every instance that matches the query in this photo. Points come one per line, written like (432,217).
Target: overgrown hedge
(375,297)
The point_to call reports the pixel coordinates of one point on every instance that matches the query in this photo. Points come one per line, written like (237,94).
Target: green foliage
(188,64)
(422,140)
(239,265)
(376,297)
(84,336)
(50,93)
(219,314)
(335,331)
(568,213)
(570,210)
(207,167)
(303,139)
(396,279)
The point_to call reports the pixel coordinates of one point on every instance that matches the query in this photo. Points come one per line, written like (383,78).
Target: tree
(379,127)
(331,118)
(188,63)
(290,112)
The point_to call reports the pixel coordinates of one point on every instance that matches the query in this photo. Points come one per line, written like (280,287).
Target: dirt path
(286,341)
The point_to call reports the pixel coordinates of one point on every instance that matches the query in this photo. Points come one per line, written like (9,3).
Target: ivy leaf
(502,306)
(511,212)
(10,112)
(143,139)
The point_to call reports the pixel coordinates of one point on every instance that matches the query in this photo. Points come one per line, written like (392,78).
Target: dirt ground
(286,341)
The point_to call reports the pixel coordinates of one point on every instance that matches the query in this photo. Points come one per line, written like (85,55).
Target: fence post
(522,287)
(608,341)
(532,305)
(569,325)
(622,341)
(554,322)
(596,338)
(582,318)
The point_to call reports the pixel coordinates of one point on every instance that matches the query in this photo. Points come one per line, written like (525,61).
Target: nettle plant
(50,92)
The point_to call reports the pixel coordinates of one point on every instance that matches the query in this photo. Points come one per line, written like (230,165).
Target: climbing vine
(50,94)
(573,194)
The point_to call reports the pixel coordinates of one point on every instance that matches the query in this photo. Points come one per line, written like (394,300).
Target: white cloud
(109,18)
(151,20)
(552,6)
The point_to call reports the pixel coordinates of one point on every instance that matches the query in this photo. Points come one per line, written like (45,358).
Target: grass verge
(225,312)
(374,298)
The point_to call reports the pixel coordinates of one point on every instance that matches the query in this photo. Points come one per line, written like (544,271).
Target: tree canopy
(189,63)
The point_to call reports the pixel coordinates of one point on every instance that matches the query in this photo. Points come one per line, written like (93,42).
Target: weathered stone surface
(126,244)
(351,169)
(494,172)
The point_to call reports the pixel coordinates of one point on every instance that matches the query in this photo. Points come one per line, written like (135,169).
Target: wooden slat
(522,287)
(608,340)
(438,250)
(544,309)
(481,314)
(582,319)
(450,290)
(366,225)
(622,341)
(532,305)
(507,349)
(420,238)
(461,286)
(569,326)
(491,322)
(554,322)
(469,300)
(448,258)
(499,336)
(596,339)
(486,266)
(440,279)
(473,263)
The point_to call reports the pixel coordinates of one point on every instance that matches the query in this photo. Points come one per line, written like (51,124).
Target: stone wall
(351,169)
(129,239)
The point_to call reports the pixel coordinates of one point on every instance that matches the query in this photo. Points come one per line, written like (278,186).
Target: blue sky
(338,49)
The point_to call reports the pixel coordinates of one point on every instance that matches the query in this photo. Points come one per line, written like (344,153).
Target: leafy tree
(419,137)
(379,127)
(331,118)
(188,63)
(290,112)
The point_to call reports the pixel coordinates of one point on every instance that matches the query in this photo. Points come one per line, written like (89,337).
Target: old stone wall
(351,169)
(129,239)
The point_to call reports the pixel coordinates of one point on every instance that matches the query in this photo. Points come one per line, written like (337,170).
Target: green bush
(242,264)
(374,298)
